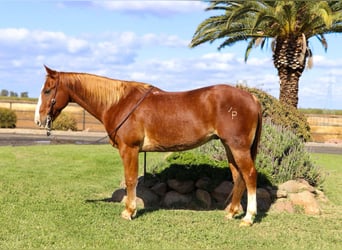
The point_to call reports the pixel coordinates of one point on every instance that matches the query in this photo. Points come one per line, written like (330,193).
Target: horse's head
(53,98)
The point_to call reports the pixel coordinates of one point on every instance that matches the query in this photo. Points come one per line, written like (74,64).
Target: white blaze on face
(37,115)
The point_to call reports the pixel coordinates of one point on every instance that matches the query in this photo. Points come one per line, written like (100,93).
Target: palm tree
(288,24)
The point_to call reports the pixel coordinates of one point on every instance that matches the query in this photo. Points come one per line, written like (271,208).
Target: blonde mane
(104,90)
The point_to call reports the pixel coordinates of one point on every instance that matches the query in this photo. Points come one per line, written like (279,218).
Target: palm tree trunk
(289,58)
(289,86)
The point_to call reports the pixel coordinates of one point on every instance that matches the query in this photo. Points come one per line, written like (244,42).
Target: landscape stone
(278,193)
(193,195)
(204,197)
(149,198)
(160,188)
(306,200)
(264,200)
(174,199)
(118,195)
(321,196)
(203,183)
(147,181)
(182,187)
(222,191)
(293,186)
(283,205)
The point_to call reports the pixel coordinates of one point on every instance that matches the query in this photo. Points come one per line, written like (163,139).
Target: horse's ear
(50,72)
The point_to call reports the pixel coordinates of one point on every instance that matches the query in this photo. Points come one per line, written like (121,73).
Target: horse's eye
(47,91)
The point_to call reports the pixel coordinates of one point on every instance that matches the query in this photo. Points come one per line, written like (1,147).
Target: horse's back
(190,118)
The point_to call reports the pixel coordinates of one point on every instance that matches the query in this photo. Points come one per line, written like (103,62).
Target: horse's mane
(105,90)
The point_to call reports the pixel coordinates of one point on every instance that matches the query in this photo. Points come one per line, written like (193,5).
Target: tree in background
(13,94)
(24,94)
(4,92)
(289,24)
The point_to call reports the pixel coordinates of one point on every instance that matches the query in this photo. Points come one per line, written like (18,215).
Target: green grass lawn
(51,198)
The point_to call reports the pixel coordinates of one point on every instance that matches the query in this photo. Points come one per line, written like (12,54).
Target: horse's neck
(88,105)
(91,103)
(98,94)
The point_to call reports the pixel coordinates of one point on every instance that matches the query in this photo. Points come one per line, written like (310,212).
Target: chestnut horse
(139,117)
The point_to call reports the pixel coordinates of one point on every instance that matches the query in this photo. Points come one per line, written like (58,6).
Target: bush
(65,122)
(282,157)
(282,114)
(8,118)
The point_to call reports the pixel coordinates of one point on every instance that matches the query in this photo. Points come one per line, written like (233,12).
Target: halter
(48,124)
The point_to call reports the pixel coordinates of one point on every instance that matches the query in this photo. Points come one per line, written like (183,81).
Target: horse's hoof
(126,215)
(229,216)
(246,223)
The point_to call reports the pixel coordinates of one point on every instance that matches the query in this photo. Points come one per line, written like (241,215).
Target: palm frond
(258,20)
(249,48)
(323,41)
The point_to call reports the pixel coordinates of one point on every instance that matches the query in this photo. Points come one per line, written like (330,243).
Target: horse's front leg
(129,158)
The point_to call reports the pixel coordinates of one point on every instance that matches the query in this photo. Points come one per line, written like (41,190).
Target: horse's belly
(163,144)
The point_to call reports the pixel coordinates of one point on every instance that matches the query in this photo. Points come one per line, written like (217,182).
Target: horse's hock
(292,196)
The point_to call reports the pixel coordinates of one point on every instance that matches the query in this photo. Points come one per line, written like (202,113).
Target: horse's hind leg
(244,174)
(234,207)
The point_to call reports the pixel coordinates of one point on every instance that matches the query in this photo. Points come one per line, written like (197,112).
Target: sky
(146,41)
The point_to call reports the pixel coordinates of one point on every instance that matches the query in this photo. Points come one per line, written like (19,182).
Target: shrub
(282,157)
(8,118)
(65,122)
(282,114)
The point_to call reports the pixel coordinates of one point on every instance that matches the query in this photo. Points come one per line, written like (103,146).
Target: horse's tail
(254,147)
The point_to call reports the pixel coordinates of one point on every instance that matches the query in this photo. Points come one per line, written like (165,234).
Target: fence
(323,127)
(25,115)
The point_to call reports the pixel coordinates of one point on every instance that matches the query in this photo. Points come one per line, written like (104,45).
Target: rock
(321,196)
(149,198)
(204,197)
(264,200)
(222,191)
(160,188)
(182,187)
(140,203)
(307,200)
(283,205)
(153,193)
(293,186)
(203,183)
(277,194)
(174,199)
(118,195)
(147,181)
(307,185)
